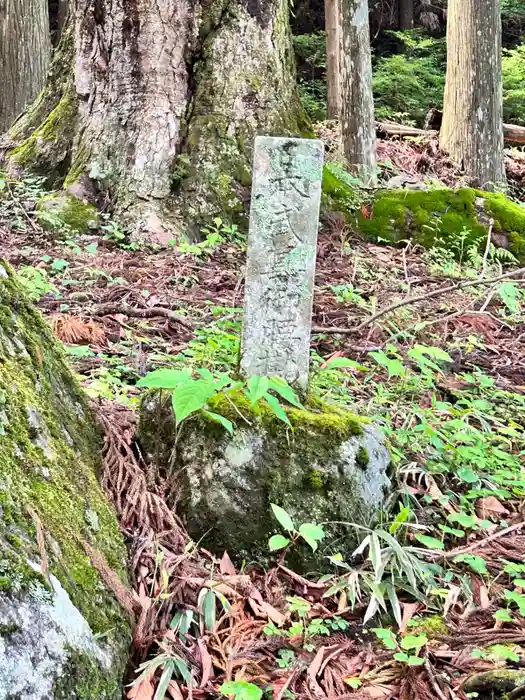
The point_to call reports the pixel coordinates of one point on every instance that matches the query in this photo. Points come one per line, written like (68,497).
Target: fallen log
(511,132)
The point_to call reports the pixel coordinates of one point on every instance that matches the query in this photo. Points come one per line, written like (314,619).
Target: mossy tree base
(172,149)
(48,464)
(329,467)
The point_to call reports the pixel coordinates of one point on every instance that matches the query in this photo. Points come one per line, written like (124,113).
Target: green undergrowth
(48,467)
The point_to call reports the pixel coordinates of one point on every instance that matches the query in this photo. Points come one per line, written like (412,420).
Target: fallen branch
(414,300)
(511,132)
(132,312)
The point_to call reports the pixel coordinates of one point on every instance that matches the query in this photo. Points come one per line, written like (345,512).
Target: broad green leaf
(353,682)
(281,387)
(452,531)
(503,616)
(256,388)
(164,378)
(517,598)
(413,641)
(242,690)
(436,353)
(217,418)
(477,563)
(504,652)
(401,656)
(167,673)
(464,519)
(340,362)
(400,518)
(430,542)
(415,661)
(278,542)
(190,397)
(386,636)
(277,409)
(283,517)
(520,582)
(312,531)
(310,542)
(468,475)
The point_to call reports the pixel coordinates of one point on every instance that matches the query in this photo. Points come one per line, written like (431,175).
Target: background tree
(357,101)
(406,14)
(155,106)
(332,13)
(25,48)
(472,128)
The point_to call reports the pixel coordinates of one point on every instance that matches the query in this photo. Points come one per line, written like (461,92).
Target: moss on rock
(48,464)
(437,216)
(60,209)
(314,468)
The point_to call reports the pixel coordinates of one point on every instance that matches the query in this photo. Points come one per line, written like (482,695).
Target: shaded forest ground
(445,377)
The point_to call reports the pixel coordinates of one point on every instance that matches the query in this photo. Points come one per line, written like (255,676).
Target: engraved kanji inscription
(284,215)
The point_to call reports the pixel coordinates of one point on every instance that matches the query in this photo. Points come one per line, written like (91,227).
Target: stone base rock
(62,632)
(331,467)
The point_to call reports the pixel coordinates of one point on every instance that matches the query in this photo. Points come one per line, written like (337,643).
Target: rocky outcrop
(62,633)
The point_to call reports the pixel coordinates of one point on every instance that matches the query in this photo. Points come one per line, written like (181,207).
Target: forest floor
(440,582)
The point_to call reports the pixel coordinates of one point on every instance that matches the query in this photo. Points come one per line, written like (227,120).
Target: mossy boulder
(60,210)
(329,467)
(451,218)
(62,633)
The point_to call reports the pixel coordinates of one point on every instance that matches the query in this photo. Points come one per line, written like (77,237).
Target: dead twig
(153,312)
(414,300)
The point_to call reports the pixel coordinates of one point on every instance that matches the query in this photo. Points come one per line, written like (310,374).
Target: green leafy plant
(308,532)
(191,394)
(36,282)
(409,646)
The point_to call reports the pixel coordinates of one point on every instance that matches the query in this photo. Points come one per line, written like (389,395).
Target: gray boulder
(330,467)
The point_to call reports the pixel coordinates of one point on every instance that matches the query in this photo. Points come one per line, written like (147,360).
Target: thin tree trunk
(472,128)
(154,106)
(406,14)
(25,49)
(332,15)
(357,101)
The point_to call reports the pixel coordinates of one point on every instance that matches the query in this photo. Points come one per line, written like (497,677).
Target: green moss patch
(60,209)
(48,464)
(434,217)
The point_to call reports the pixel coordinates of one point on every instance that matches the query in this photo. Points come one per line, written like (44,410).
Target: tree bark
(25,50)
(332,15)
(472,128)
(154,106)
(358,125)
(406,14)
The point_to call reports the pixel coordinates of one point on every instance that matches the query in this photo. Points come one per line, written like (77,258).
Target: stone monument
(284,216)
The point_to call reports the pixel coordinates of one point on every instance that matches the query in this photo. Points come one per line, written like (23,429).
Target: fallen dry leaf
(226,565)
(206,661)
(490,508)
(142,691)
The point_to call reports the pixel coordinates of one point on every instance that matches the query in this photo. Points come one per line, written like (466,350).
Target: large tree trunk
(357,101)
(155,105)
(332,18)
(406,14)
(472,128)
(25,49)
